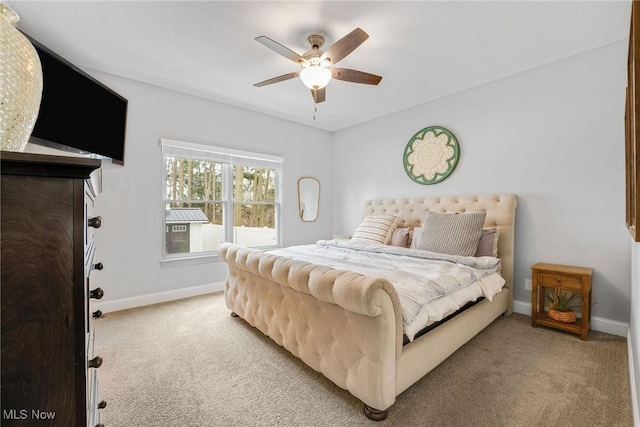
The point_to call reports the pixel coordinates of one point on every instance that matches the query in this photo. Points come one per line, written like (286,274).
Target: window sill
(190,260)
(210,257)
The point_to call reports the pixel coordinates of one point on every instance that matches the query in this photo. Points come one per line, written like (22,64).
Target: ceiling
(424,50)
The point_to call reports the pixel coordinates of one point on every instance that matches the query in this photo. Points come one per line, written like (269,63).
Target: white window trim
(226,156)
(221,154)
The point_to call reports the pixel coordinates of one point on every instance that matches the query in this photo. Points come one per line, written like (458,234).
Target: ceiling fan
(317,66)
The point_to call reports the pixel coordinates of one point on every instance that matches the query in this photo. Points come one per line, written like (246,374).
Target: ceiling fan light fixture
(317,65)
(315,77)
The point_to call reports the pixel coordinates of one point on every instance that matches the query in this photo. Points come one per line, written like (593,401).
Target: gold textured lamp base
(21,89)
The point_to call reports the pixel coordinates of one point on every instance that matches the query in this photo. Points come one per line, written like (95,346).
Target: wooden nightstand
(565,278)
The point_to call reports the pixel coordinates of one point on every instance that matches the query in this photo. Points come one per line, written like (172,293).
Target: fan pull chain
(315,110)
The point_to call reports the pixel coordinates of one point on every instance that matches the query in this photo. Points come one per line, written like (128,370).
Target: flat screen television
(77,112)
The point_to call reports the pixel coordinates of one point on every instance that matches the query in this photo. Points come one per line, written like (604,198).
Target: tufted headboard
(500,210)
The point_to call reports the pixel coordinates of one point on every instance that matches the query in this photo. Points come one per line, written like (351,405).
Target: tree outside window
(208,202)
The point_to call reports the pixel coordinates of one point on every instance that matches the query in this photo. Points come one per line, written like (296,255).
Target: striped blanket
(418,276)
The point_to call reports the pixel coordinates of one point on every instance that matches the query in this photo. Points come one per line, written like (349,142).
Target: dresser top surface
(14,163)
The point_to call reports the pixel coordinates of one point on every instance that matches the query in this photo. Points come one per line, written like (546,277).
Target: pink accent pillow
(488,244)
(400,237)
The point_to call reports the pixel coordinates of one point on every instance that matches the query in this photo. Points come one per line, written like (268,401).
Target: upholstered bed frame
(349,326)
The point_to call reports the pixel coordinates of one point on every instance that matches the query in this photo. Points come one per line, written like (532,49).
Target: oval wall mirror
(308,198)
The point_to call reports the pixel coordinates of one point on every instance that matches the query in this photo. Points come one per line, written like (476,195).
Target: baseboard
(139,301)
(632,382)
(597,323)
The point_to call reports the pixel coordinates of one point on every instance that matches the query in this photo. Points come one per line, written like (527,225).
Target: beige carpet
(188,363)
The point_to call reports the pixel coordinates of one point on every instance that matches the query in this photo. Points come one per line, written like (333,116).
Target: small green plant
(563,301)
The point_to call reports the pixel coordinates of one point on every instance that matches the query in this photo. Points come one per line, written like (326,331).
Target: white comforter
(430,285)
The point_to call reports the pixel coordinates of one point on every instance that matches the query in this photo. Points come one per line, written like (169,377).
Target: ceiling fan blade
(355,76)
(318,95)
(278,48)
(345,46)
(278,79)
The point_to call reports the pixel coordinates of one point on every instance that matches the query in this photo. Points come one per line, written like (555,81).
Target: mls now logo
(23,414)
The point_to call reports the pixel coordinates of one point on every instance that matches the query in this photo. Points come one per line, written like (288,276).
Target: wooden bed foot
(374,414)
(234,315)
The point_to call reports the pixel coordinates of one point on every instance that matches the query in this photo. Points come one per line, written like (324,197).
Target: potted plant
(561,306)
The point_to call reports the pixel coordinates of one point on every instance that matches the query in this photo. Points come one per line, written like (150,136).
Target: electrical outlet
(527,284)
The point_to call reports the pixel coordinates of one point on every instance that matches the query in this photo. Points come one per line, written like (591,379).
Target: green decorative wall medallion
(431,155)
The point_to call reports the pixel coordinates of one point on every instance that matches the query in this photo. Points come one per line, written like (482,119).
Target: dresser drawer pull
(97,293)
(97,314)
(95,222)
(96,362)
(102,404)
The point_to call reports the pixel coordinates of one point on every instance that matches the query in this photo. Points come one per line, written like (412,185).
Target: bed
(350,325)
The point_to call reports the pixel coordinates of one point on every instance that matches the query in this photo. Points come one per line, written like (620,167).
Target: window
(214,195)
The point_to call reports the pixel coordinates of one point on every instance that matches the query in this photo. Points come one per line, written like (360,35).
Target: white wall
(130,240)
(554,135)
(633,340)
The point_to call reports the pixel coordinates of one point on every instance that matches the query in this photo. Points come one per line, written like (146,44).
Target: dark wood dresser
(49,372)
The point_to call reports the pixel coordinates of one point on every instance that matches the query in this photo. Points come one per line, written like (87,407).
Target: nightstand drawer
(560,280)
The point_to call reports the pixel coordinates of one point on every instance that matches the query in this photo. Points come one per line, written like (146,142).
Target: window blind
(190,150)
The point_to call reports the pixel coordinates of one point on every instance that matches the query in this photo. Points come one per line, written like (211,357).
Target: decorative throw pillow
(453,234)
(400,237)
(417,237)
(488,244)
(375,229)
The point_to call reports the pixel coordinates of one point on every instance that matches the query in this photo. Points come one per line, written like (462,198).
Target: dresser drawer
(92,222)
(93,413)
(559,280)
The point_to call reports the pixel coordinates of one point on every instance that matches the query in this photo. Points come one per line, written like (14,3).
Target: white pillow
(454,234)
(417,236)
(375,229)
